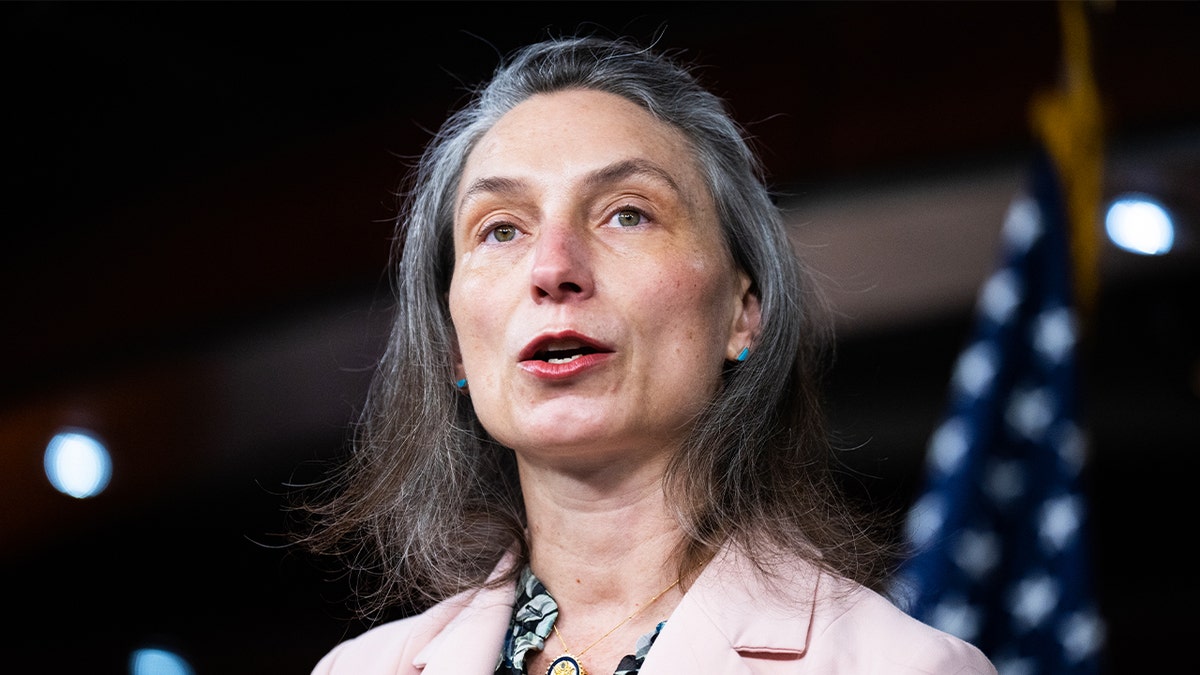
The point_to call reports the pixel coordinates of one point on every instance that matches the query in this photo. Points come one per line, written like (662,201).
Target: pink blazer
(729,622)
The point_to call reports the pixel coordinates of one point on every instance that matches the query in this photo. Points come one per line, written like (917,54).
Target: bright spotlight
(77,464)
(1140,224)
(158,662)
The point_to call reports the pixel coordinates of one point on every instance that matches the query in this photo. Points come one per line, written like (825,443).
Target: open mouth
(560,349)
(563,354)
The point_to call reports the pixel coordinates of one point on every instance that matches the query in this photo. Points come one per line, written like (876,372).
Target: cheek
(478,319)
(698,293)
(712,290)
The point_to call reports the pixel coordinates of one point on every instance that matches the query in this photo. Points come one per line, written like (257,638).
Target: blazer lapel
(470,643)
(730,615)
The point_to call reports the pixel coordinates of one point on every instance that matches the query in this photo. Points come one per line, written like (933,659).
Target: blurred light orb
(77,464)
(1140,225)
(158,662)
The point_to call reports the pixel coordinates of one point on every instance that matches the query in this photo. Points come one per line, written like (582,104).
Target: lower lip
(544,370)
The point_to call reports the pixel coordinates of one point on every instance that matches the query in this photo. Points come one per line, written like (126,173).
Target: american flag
(999,529)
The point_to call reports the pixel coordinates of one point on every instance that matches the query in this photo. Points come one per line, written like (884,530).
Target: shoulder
(854,623)
(463,633)
(791,617)
(817,622)
(387,648)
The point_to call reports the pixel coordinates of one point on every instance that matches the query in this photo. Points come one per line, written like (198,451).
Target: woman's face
(593,298)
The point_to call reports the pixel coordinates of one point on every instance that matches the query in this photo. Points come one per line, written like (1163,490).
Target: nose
(561,266)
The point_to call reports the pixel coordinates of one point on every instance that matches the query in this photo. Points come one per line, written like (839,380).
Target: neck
(603,542)
(600,540)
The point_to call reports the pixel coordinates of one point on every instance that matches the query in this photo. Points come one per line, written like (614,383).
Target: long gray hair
(428,503)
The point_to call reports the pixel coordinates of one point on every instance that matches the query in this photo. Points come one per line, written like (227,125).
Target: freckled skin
(632,258)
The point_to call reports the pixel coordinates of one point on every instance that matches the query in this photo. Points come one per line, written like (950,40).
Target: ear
(746,318)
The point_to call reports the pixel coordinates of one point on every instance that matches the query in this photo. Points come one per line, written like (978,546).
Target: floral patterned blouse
(533,618)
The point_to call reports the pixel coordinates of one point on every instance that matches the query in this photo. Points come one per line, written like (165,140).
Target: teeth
(564,359)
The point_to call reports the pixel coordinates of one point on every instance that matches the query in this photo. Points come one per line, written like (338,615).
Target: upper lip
(541,347)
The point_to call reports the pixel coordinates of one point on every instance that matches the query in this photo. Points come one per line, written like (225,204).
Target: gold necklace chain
(574,658)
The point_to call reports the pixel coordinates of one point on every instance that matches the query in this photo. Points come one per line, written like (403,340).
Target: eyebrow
(628,168)
(489,185)
(615,172)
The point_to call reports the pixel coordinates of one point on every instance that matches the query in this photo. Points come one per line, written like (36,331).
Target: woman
(594,443)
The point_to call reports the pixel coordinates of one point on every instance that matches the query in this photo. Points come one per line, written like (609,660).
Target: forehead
(572,132)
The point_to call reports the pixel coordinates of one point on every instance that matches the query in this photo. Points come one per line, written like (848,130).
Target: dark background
(193,264)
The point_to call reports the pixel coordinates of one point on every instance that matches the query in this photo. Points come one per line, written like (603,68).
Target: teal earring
(743,354)
(461,384)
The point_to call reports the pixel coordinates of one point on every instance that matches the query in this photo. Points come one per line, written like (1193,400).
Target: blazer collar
(733,611)
(471,639)
(729,613)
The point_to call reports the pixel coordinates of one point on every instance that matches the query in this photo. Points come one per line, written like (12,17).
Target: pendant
(565,665)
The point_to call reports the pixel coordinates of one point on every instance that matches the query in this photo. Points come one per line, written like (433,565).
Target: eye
(502,233)
(628,218)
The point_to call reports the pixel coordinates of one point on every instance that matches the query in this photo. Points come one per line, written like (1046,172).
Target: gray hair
(428,503)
